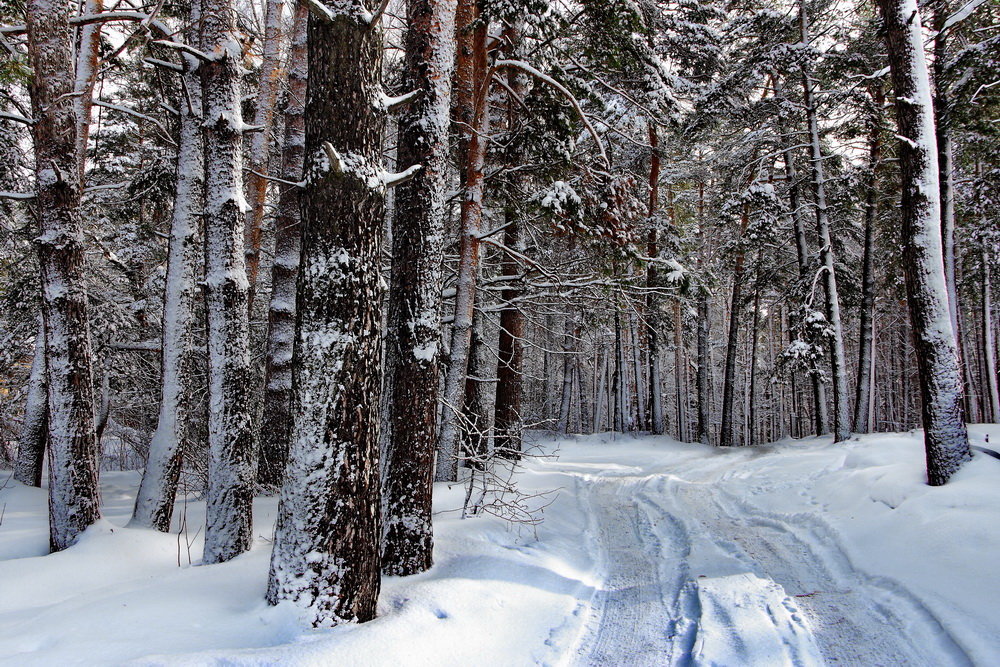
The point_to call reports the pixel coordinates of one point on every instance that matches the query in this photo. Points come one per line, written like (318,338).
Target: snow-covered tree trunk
(820,418)
(86,77)
(863,389)
(272,76)
(414,333)
(34,428)
(326,555)
(228,531)
(154,502)
(74,498)
(276,424)
(565,401)
(476,410)
(989,344)
(838,357)
(472,48)
(945,437)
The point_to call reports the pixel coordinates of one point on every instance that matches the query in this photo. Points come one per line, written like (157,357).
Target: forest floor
(651,552)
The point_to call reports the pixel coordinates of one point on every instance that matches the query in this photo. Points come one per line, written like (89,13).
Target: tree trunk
(414,335)
(820,418)
(945,437)
(154,502)
(838,357)
(276,424)
(86,76)
(271,79)
(989,346)
(74,496)
(232,465)
(566,400)
(652,279)
(729,381)
(472,47)
(326,553)
(863,388)
(31,442)
(475,411)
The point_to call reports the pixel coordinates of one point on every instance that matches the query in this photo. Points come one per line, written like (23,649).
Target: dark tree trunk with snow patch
(326,555)
(414,334)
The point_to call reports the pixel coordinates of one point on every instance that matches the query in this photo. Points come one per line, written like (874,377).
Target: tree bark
(31,441)
(326,555)
(272,76)
(154,502)
(471,63)
(945,438)
(74,496)
(652,300)
(276,425)
(232,465)
(729,381)
(414,334)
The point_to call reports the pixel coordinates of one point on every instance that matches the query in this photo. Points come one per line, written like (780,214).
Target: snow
(741,556)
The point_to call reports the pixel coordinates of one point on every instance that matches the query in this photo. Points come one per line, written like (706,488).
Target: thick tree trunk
(326,553)
(74,498)
(414,335)
(276,424)
(232,465)
(945,437)
(863,387)
(838,357)
(472,47)
(704,409)
(154,502)
(34,428)
(271,79)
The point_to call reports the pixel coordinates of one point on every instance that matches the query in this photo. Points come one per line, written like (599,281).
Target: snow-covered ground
(652,552)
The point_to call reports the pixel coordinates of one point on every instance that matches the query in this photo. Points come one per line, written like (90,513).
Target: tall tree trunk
(31,442)
(821,420)
(74,497)
(704,410)
(838,357)
(729,381)
(271,78)
(945,437)
(507,421)
(989,345)
(863,387)
(276,424)
(326,554)
(566,400)
(652,279)
(154,502)
(752,416)
(414,335)
(640,386)
(232,465)
(471,63)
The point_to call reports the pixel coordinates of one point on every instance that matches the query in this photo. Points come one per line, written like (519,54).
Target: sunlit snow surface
(652,552)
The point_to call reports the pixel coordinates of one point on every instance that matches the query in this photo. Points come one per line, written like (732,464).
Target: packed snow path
(663,539)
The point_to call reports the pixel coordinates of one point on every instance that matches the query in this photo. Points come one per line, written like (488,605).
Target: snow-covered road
(692,572)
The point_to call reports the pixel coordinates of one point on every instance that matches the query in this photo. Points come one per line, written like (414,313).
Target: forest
(357,294)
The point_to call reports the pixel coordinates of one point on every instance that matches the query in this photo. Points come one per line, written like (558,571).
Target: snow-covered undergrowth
(502,596)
